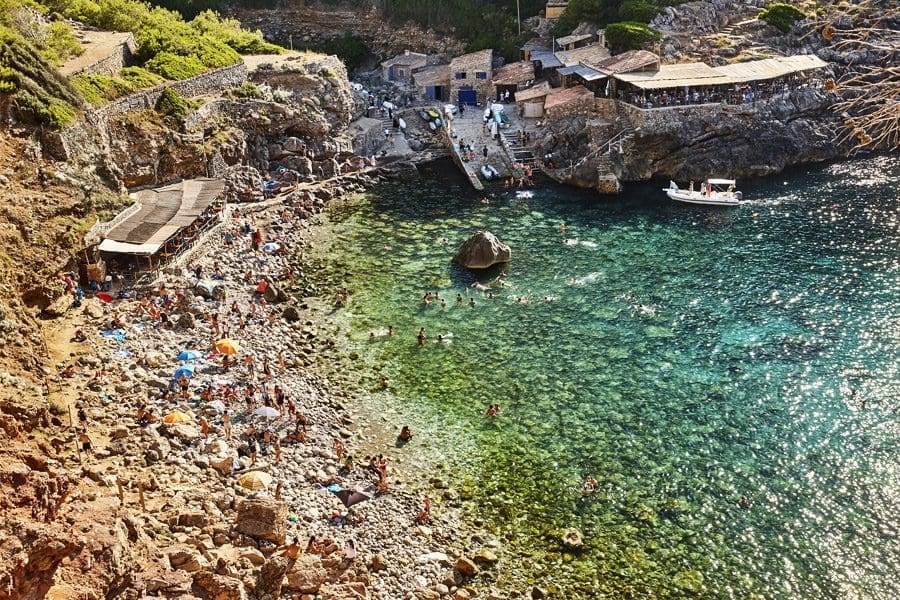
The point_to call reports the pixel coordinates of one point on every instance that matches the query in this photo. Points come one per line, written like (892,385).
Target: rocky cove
(157,510)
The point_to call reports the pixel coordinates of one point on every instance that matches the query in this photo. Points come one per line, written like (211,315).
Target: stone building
(470,77)
(433,83)
(401,67)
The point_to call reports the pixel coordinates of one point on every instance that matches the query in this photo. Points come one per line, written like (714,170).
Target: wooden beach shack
(530,102)
(162,223)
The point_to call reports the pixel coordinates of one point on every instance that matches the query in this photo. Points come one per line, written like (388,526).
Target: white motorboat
(489,172)
(712,192)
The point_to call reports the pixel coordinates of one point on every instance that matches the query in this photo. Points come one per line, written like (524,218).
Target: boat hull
(698,198)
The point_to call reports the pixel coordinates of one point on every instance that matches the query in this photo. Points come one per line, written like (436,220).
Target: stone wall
(660,118)
(82,137)
(111,65)
(582,106)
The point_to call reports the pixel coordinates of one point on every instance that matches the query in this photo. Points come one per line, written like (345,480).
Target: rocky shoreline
(207,535)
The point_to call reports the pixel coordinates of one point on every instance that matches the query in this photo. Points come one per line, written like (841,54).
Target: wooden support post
(121,492)
(141,495)
(71,419)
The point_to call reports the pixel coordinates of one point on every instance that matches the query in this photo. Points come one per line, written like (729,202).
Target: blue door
(430,92)
(390,73)
(468,97)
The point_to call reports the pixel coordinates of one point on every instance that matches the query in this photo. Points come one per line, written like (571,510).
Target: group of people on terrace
(734,94)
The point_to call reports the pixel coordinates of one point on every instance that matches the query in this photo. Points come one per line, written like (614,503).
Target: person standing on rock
(338,447)
(226,424)
(85,442)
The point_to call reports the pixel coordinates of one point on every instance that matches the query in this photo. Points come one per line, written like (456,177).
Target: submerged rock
(481,251)
(572,539)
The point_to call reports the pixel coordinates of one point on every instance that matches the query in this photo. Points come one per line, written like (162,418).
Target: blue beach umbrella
(186,370)
(189,355)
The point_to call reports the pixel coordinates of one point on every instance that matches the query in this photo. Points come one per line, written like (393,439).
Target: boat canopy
(721,181)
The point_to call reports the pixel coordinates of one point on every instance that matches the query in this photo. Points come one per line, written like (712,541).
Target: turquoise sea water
(683,356)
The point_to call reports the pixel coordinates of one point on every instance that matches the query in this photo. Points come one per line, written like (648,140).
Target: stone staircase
(607,180)
(518,152)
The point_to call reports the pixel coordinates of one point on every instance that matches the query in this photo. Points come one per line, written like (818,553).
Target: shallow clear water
(683,356)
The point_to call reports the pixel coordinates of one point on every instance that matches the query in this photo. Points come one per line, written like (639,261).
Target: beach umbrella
(189,355)
(103,296)
(176,417)
(351,497)
(218,405)
(255,480)
(270,247)
(227,346)
(184,370)
(266,411)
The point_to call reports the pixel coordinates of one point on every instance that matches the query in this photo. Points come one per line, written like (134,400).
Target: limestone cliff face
(304,96)
(308,25)
(694,142)
(735,141)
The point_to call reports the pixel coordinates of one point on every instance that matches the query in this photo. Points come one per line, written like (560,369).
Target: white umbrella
(218,405)
(270,247)
(389,105)
(266,411)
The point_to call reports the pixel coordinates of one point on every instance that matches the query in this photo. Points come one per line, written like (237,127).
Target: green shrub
(174,66)
(247,90)
(42,96)
(52,112)
(174,105)
(8,81)
(100,89)
(638,11)
(781,16)
(167,45)
(628,35)
(229,31)
(140,78)
(60,43)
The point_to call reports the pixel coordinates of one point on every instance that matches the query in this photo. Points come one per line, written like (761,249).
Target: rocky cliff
(731,141)
(694,142)
(308,26)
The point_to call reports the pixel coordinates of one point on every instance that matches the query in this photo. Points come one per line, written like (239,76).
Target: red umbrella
(104,297)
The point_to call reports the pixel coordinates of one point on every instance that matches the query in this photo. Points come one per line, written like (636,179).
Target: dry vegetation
(869,90)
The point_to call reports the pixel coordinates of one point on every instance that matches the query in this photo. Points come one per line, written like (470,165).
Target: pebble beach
(194,486)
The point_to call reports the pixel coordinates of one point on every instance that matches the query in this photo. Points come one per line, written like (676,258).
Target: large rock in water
(481,251)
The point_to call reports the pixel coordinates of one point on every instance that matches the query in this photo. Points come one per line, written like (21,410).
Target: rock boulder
(481,251)
(262,518)
(306,574)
